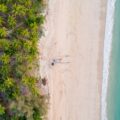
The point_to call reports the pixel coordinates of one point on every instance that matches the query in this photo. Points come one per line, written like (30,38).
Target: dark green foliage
(20,26)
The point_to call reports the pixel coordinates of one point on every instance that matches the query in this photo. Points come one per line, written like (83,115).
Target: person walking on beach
(58,60)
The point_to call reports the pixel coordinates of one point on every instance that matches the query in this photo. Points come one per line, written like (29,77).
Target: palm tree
(20,24)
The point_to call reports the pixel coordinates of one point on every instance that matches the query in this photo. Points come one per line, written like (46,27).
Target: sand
(75,33)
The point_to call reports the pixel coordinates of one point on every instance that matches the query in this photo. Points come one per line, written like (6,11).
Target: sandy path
(75,28)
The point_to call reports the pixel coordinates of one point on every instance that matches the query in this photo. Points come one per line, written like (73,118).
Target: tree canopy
(21,25)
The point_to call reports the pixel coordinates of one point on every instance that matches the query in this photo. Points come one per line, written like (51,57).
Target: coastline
(113,98)
(107,55)
(79,99)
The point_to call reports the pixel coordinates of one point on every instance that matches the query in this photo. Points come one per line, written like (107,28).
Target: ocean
(111,68)
(113,96)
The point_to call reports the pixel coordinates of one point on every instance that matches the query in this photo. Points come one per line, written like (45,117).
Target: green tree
(4,71)
(1,21)
(2,110)
(19,9)
(11,21)
(3,32)
(3,8)
(5,59)
(9,82)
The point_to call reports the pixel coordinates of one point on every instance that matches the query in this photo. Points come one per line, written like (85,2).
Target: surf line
(106,57)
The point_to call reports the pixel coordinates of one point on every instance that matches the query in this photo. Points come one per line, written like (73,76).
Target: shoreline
(60,76)
(107,54)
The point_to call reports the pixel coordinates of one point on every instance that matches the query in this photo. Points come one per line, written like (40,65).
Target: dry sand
(74,28)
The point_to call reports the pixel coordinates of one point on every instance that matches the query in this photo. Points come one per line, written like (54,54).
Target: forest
(21,26)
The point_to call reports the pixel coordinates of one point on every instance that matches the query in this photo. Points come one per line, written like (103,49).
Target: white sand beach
(75,34)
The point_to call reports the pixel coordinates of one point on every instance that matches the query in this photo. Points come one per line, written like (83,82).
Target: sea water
(107,85)
(113,98)
(107,53)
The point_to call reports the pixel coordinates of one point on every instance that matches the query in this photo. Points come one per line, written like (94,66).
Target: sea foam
(107,53)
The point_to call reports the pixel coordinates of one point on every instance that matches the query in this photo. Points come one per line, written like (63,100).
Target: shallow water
(113,99)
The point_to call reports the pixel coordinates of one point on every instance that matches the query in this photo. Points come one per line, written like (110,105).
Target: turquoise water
(113,98)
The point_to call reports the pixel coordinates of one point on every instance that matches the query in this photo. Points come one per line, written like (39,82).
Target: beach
(75,36)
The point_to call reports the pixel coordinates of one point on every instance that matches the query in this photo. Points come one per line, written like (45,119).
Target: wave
(107,53)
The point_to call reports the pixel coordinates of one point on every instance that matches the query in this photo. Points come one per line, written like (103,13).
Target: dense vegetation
(20,29)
